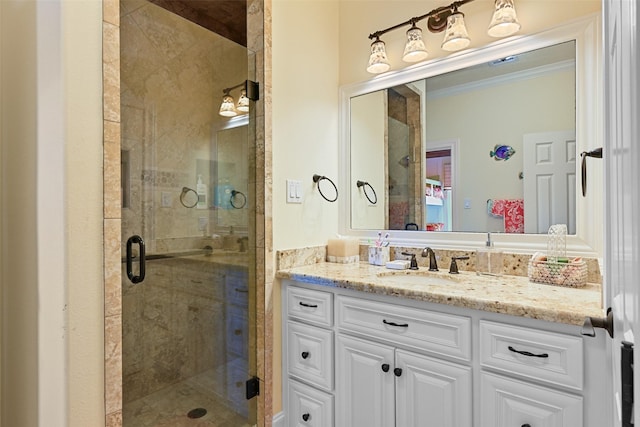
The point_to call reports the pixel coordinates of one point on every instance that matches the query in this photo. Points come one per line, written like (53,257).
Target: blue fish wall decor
(502,152)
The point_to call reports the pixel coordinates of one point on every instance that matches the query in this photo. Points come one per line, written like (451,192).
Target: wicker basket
(572,274)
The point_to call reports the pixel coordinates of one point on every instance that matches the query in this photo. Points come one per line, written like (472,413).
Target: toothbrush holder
(379,255)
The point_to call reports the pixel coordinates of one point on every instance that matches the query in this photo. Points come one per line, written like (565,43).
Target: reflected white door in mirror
(491,106)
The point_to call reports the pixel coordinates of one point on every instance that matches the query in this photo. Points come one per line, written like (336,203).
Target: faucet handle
(453,268)
(414,261)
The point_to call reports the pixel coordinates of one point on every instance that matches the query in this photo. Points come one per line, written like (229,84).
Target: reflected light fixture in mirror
(504,21)
(229,108)
(243,102)
(445,18)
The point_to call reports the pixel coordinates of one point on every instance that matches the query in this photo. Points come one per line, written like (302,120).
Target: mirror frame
(588,240)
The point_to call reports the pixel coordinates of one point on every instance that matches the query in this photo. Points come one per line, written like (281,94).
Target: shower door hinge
(253,387)
(252,90)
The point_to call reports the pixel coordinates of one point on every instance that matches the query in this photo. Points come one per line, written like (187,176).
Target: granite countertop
(513,295)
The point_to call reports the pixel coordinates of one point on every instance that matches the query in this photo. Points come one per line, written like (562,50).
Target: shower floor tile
(169,408)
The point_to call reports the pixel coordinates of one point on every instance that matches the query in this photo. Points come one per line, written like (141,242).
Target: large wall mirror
(488,140)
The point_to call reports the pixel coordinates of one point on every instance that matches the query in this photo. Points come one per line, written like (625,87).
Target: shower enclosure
(188,224)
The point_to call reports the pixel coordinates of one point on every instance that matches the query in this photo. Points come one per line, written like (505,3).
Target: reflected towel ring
(597,153)
(234,193)
(317,179)
(364,185)
(185,191)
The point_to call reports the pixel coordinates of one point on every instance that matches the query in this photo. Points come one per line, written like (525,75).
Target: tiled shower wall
(258,24)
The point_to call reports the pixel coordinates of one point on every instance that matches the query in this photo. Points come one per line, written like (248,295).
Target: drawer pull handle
(305,417)
(400,325)
(305,354)
(527,353)
(304,304)
(242,290)
(397,372)
(385,367)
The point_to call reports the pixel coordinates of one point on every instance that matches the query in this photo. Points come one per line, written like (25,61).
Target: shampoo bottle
(201,190)
(489,260)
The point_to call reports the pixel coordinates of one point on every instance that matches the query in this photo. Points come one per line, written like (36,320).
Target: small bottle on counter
(489,259)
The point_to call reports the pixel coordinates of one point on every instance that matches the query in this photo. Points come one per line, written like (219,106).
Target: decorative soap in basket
(571,272)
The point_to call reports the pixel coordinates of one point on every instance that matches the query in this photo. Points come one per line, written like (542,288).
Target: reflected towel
(511,210)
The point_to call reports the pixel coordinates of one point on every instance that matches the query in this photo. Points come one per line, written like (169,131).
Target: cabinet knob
(397,372)
(305,417)
(385,367)
(305,354)
(526,425)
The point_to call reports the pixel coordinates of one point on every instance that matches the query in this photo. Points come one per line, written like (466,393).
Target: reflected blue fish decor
(502,152)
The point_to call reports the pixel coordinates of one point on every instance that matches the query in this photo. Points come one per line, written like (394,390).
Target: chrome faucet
(428,252)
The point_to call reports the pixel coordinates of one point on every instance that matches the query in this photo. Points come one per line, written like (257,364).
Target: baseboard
(278,420)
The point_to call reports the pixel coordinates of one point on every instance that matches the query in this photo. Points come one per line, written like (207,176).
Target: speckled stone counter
(513,295)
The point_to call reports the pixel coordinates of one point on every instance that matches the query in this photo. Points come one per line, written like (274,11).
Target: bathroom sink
(419,277)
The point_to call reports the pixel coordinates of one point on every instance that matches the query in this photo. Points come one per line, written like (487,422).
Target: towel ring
(597,153)
(185,191)
(234,193)
(317,179)
(364,186)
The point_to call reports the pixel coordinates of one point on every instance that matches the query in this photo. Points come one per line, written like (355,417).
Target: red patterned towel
(512,211)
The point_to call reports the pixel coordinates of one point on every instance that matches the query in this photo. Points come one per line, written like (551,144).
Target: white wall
(52,309)
(305,119)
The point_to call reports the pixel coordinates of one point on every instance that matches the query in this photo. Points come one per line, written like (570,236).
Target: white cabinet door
(432,392)
(364,384)
(507,402)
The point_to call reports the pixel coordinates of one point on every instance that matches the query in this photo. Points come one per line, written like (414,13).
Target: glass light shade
(243,102)
(227,109)
(504,21)
(455,36)
(378,62)
(414,49)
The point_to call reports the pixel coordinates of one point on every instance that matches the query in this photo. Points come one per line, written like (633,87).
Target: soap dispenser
(489,260)
(201,191)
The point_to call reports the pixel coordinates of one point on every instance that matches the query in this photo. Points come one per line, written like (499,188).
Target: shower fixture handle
(130,242)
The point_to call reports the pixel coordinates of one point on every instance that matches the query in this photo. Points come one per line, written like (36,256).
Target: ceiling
(227,18)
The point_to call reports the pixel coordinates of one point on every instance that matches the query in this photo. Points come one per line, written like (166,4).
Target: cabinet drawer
(507,403)
(309,407)
(438,333)
(310,354)
(541,355)
(310,305)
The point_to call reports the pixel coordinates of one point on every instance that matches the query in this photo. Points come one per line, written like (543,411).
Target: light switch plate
(294,191)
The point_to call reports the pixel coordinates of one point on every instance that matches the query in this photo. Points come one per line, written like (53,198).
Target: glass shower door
(188,344)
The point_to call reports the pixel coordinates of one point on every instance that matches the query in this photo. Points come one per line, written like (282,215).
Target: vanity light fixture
(504,21)
(448,19)
(229,108)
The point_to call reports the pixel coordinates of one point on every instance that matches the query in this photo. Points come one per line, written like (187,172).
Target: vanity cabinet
(357,359)
(381,386)
(309,356)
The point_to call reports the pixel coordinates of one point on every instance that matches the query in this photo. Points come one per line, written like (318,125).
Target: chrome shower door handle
(140,277)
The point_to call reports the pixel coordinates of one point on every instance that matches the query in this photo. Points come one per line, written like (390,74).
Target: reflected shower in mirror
(485,148)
